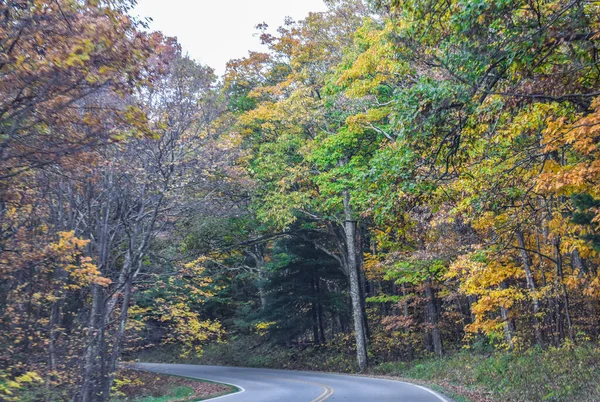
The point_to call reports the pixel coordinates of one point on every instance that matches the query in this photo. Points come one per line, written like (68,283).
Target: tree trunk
(363,298)
(532,288)
(433,318)
(590,306)
(261,290)
(509,328)
(354,279)
(118,341)
(560,282)
(320,310)
(313,309)
(92,351)
(257,254)
(406,314)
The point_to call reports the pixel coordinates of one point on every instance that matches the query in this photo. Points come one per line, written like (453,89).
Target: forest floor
(142,386)
(560,374)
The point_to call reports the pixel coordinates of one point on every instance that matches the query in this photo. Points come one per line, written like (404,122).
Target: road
(265,385)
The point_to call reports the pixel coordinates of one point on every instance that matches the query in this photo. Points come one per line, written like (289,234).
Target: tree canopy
(391,179)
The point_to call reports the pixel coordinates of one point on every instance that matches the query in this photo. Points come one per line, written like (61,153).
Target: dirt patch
(131,385)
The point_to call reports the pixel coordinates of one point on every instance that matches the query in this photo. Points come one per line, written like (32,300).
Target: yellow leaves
(8,386)
(196,269)
(374,269)
(243,72)
(497,297)
(138,124)
(262,328)
(580,170)
(359,122)
(29,377)
(487,275)
(86,273)
(374,65)
(593,288)
(198,264)
(121,382)
(68,255)
(80,54)
(570,179)
(68,242)
(187,328)
(574,282)
(488,220)
(264,117)
(479,276)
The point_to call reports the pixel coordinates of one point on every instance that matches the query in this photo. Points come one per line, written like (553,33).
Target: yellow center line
(327,393)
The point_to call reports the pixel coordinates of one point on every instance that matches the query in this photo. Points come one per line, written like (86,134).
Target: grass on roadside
(556,374)
(143,386)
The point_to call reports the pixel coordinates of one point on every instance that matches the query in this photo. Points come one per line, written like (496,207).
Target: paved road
(264,385)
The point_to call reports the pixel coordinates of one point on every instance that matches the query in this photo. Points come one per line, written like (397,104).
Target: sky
(215,31)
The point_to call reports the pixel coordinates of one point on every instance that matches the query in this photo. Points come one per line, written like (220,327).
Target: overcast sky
(215,31)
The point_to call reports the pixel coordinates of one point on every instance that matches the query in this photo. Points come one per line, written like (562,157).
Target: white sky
(215,31)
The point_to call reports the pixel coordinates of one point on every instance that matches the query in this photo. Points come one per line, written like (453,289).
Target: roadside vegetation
(557,374)
(143,386)
(412,181)
(568,373)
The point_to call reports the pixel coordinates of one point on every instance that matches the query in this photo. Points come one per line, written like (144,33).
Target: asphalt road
(264,385)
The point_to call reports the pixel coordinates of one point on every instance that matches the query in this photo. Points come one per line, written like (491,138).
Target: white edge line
(241,389)
(441,398)
(437,395)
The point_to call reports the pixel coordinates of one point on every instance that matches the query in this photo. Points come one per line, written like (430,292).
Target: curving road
(265,385)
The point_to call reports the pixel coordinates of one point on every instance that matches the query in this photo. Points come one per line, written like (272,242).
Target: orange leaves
(580,133)
(579,170)
(248,71)
(374,268)
(66,69)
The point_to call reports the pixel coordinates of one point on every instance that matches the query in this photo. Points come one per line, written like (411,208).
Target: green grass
(176,394)
(144,386)
(448,392)
(556,374)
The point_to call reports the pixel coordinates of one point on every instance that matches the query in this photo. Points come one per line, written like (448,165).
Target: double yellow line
(325,395)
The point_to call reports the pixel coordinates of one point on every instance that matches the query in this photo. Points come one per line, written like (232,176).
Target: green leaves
(415,272)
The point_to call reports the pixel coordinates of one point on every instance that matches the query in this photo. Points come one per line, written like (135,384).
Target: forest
(389,182)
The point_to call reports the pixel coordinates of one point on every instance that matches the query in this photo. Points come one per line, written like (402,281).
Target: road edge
(437,394)
(237,389)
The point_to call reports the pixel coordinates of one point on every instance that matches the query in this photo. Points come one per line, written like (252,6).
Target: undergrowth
(555,374)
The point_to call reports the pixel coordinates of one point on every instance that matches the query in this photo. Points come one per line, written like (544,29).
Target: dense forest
(390,180)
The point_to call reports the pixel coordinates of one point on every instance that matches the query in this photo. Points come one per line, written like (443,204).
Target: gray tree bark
(354,279)
(532,287)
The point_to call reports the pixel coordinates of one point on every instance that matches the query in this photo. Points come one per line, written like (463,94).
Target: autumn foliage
(388,180)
